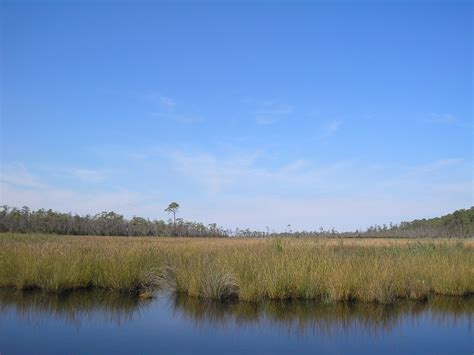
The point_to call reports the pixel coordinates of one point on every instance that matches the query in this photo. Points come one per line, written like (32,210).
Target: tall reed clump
(248,269)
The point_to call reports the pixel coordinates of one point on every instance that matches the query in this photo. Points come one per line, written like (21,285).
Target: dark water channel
(109,323)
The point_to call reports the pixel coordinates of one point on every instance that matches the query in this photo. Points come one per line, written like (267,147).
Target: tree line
(24,220)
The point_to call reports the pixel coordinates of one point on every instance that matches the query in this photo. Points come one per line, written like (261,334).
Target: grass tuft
(219,285)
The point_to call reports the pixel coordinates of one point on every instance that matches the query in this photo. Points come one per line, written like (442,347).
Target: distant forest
(24,220)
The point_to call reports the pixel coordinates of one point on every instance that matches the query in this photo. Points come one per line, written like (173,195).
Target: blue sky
(249,114)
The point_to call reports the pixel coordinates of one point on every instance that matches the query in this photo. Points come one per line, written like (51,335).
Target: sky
(333,114)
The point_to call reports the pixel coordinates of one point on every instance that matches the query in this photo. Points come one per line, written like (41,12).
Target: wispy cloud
(246,189)
(69,200)
(446,118)
(136,156)
(17,174)
(314,113)
(271,112)
(160,100)
(439,164)
(88,175)
(421,176)
(166,108)
(176,117)
(328,129)
(245,170)
(332,127)
(20,187)
(206,169)
(167,101)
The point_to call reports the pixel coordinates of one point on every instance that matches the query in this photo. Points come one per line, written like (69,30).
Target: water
(104,322)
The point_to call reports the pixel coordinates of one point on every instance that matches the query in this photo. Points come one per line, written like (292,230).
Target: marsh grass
(247,269)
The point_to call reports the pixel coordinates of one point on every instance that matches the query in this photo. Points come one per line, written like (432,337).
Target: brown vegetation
(380,270)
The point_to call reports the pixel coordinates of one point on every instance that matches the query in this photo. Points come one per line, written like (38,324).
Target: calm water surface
(102,322)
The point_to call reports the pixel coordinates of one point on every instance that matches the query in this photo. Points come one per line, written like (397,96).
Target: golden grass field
(373,270)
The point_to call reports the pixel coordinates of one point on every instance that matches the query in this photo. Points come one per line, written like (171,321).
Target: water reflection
(301,316)
(292,316)
(109,307)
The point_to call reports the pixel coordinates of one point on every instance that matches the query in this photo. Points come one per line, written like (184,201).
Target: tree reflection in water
(299,316)
(105,306)
(295,317)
